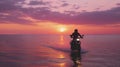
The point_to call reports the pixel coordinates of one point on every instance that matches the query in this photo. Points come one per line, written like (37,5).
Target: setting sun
(62,29)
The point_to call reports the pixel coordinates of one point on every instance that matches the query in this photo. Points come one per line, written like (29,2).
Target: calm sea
(54,51)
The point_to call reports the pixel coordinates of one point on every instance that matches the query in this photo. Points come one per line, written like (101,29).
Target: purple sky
(103,12)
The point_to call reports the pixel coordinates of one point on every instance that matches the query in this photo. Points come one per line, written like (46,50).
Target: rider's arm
(72,35)
(80,35)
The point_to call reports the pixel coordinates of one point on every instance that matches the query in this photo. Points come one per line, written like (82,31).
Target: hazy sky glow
(48,16)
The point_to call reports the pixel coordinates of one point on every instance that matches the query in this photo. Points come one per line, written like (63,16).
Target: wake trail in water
(83,51)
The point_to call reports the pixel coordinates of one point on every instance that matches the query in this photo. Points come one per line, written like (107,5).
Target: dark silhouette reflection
(76,58)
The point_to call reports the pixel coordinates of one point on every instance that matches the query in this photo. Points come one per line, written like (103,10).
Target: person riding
(76,34)
(76,47)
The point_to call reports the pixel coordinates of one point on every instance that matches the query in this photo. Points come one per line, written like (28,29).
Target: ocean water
(54,51)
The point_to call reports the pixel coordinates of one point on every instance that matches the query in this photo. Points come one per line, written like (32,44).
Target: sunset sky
(59,16)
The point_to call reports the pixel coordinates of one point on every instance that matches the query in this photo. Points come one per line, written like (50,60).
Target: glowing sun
(62,29)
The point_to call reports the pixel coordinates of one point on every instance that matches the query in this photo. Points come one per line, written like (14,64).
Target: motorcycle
(76,50)
(75,45)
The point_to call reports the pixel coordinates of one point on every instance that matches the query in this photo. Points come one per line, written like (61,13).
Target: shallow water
(54,51)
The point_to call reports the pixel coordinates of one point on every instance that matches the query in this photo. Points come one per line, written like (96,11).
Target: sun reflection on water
(61,56)
(61,40)
(62,64)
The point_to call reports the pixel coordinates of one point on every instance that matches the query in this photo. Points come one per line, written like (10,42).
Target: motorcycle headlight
(78,39)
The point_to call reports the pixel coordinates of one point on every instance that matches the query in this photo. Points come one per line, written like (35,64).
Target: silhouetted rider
(75,35)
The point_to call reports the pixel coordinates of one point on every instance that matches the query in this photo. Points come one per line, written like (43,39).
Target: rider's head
(76,30)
